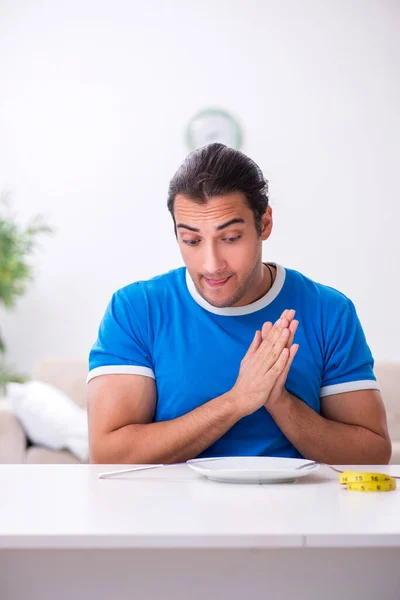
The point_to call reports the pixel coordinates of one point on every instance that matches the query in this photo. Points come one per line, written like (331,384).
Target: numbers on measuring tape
(367,482)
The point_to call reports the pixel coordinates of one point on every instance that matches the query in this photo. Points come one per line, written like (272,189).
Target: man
(199,361)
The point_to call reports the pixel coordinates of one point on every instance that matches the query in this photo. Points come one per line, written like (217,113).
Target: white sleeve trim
(123,369)
(351,386)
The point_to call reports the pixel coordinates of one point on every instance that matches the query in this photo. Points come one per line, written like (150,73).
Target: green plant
(17,245)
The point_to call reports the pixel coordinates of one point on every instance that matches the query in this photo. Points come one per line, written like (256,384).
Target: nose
(213,261)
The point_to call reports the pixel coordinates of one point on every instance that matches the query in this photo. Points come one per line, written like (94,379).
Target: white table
(171,534)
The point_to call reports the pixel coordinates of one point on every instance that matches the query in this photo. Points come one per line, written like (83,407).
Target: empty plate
(253,469)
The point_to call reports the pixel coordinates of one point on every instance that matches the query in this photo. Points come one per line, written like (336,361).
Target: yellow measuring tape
(367,482)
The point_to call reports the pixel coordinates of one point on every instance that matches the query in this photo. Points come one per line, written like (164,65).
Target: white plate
(252,469)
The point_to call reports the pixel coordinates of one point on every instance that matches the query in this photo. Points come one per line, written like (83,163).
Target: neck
(266,281)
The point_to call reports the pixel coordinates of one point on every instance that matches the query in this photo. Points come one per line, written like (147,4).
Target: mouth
(216,283)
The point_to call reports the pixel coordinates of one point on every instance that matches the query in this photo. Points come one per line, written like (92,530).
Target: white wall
(94,100)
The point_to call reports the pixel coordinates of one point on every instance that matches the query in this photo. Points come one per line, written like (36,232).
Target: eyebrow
(219,228)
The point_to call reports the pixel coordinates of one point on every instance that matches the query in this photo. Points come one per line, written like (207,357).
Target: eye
(231,240)
(190,242)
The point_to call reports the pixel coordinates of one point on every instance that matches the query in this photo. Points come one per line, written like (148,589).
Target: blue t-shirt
(163,328)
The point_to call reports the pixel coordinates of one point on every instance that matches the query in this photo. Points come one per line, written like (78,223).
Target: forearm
(322,440)
(171,441)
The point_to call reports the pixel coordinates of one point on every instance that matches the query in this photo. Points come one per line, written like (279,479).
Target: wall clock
(213,125)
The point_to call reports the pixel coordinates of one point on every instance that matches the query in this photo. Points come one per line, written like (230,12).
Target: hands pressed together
(265,366)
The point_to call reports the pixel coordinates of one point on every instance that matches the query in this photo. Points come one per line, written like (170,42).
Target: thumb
(256,343)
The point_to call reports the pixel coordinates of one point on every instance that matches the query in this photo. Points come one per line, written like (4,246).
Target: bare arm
(121,409)
(351,428)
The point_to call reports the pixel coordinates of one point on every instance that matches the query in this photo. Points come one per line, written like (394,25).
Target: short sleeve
(348,362)
(122,345)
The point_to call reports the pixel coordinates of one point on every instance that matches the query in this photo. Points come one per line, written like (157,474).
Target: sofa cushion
(36,455)
(66,374)
(12,437)
(388,376)
(49,417)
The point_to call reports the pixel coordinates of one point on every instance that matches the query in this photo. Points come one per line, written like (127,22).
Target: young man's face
(223,257)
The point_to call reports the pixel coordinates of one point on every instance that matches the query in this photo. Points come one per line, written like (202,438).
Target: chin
(224,301)
(219,300)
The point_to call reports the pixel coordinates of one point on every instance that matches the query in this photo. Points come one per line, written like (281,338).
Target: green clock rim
(211,112)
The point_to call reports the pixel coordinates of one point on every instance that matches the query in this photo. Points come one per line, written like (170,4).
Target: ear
(266,224)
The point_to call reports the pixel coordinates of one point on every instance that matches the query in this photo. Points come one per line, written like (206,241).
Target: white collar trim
(235,311)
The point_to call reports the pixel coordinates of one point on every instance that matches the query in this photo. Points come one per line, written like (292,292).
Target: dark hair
(216,170)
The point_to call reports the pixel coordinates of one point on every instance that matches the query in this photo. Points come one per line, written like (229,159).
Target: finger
(292,353)
(290,315)
(255,344)
(276,369)
(274,352)
(266,329)
(276,331)
(292,330)
(283,315)
(280,382)
(268,336)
